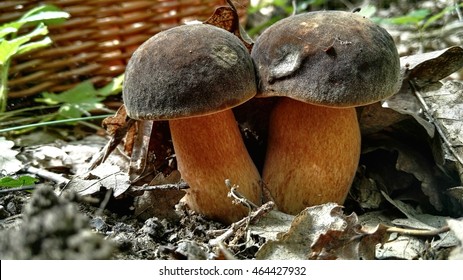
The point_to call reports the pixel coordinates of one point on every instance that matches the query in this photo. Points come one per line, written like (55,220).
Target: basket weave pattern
(97,40)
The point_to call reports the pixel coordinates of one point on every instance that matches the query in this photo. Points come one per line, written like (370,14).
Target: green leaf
(413,17)
(34,45)
(114,87)
(9,48)
(439,15)
(76,102)
(47,17)
(71,111)
(19,182)
(7,29)
(49,14)
(82,93)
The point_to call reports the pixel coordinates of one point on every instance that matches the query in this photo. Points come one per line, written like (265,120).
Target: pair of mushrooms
(321,65)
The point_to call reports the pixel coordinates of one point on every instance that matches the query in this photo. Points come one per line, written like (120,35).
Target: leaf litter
(123,195)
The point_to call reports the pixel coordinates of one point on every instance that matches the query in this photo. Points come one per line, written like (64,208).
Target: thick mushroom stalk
(312,155)
(209,150)
(320,65)
(192,75)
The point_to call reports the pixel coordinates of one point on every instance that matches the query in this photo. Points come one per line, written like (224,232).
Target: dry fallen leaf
(437,106)
(324,232)
(432,66)
(401,247)
(444,107)
(405,168)
(9,164)
(106,175)
(456,226)
(421,69)
(159,203)
(271,225)
(227,18)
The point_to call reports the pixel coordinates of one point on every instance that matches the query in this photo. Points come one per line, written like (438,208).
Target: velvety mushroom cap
(329,58)
(186,71)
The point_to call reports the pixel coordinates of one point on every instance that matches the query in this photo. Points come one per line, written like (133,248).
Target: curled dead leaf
(324,232)
(227,18)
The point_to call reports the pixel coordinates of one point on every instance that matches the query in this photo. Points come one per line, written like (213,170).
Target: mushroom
(192,75)
(320,65)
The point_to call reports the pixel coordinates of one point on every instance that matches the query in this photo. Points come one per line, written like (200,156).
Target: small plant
(81,99)
(21,181)
(420,19)
(12,44)
(69,106)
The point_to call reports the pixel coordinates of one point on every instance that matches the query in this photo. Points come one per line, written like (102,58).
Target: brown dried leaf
(106,175)
(402,167)
(271,225)
(456,226)
(401,247)
(422,69)
(121,128)
(351,243)
(114,123)
(433,66)
(375,117)
(323,232)
(444,106)
(159,203)
(227,18)
(151,150)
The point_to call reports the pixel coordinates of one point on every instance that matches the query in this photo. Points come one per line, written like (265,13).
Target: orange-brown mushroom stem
(312,155)
(209,149)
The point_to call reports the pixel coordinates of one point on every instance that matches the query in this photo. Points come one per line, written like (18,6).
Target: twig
(225,252)
(55,177)
(447,30)
(18,189)
(457,8)
(418,232)
(294,4)
(105,202)
(252,217)
(178,186)
(239,197)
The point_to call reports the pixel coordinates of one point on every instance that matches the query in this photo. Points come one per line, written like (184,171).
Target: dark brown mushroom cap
(329,58)
(186,71)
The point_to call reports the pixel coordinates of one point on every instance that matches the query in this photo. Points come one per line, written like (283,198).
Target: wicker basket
(98,39)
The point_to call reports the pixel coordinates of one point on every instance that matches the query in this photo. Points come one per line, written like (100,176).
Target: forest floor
(405,203)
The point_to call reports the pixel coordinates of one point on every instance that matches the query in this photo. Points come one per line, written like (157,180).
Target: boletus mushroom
(192,75)
(320,65)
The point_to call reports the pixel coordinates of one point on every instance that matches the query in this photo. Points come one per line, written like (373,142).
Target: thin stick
(253,217)
(457,8)
(239,197)
(178,186)
(18,189)
(55,177)
(418,232)
(105,202)
(294,4)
